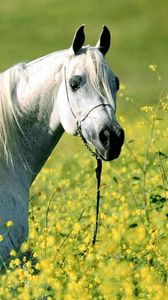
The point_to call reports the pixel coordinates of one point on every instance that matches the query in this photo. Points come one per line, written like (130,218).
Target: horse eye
(117,83)
(75,83)
(74,86)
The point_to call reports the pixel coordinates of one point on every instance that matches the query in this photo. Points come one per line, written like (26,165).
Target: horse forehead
(78,64)
(81,65)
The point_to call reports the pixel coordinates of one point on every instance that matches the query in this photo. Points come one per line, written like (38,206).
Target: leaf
(162,154)
(136,178)
(158,201)
(155,198)
(115,179)
(133,225)
(130,141)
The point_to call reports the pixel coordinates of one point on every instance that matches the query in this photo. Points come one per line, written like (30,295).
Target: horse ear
(103,43)
(79,39)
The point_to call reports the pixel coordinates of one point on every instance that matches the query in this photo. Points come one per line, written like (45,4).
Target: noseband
(78,122)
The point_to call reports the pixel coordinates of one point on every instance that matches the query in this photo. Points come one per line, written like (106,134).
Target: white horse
(72,90)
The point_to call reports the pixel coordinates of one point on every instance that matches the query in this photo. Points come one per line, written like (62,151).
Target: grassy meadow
(129,260)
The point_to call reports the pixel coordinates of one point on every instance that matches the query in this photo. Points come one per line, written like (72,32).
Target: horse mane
(100,75)
(9,124)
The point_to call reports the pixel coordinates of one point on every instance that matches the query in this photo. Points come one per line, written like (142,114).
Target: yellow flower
(129,251)
(82,247)
(28,265)
(76,228)
(13,253)
(112,219)
(121,118)
(17,262)
(152,67)
(1,238)
(122,87)
(140,124)
(150,247)
(164,105)
(122,199)
(128,288)
(147,108)
(50,241)
(138,212)
(24,247)
(9,224)
(58,227)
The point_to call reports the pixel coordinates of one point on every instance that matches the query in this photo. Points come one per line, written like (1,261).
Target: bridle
(94,153)
(78,122)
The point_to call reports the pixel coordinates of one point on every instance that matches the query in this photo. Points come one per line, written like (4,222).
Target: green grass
(129,261)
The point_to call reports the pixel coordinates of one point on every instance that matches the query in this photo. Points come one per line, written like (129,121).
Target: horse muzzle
(111,141)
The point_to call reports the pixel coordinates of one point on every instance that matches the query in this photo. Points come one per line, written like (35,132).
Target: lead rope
(98,176)
(98,171)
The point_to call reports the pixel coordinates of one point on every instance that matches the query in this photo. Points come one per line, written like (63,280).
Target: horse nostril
(104,137)
(113,137)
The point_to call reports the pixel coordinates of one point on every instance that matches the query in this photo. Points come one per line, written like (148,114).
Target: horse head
(87,99)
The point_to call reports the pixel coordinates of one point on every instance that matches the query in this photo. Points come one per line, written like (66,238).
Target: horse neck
(37,99)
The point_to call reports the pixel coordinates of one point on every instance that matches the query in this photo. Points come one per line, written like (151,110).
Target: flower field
(129,259)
